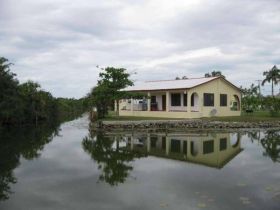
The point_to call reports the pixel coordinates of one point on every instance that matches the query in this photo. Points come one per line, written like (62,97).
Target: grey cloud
(59,43)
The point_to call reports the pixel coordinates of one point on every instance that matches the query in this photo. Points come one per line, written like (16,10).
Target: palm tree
(273,76)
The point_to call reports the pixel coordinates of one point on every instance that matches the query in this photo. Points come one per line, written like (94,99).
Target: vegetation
(113,162)
(17,143)
(251,99)
(214,74)
(273,76)
(28,103)
(183,77)
(271,104)
(270,141)
(211,74)
(69,108)
(111,81)
(271,144)
(254,101)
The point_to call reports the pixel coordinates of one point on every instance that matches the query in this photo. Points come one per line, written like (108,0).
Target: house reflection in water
(214,150)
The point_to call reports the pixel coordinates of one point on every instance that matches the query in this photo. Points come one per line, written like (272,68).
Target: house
(186,98)
(203,148)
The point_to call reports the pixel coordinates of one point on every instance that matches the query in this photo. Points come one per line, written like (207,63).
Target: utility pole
(259,84)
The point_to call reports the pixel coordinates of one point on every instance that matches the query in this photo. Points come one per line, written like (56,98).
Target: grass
(132,118)
(245,117)
(252,117)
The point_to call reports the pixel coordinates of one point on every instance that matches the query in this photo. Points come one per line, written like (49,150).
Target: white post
(189,102)
(149,101)
(115,107)
(131,102)
(167,101)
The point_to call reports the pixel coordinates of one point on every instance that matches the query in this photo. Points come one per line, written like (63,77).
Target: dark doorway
(163,102)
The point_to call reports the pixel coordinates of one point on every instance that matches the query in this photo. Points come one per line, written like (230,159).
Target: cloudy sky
(59,43)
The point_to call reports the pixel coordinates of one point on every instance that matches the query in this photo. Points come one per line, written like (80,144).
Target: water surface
(70,167)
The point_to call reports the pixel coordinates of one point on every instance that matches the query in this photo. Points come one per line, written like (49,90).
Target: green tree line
(28,103)
(252,99)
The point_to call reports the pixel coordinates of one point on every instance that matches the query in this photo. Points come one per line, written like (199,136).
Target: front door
(164,102)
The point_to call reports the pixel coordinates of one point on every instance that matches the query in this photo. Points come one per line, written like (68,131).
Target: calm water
(68,167)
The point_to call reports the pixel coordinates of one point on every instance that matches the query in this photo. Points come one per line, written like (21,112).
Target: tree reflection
(112,160)
(254,135)
(27,142)
(271,144)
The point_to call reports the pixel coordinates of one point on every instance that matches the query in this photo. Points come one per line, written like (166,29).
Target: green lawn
(248,117)
(131,118)
(251,117)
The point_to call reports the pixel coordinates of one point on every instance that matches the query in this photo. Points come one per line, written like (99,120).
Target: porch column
(189,102)
(167,101)
(149,101)
(115,107)
(131,103)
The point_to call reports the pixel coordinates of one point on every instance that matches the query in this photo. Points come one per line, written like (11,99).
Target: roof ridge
(179,79)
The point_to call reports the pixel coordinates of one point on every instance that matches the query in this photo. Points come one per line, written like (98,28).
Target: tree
(272,104)
(273,76)
(114,162)
(9,97)
(28,103)
(183,77)
(214,74)
(250,98)
(271,145)
(30,92)
(100,98)
(108,89)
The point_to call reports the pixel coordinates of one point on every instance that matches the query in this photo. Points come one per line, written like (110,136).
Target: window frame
(153,99)
(223,101)
(175,102)
(207,103)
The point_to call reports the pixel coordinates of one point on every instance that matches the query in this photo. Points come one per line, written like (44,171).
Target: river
(68,166)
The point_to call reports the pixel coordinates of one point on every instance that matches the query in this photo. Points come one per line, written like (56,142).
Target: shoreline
(195,124)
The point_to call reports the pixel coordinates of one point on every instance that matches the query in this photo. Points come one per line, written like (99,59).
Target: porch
(178,104)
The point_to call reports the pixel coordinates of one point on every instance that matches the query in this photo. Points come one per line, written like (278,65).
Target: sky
(60,43)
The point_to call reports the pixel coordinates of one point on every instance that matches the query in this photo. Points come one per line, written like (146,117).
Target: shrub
(272,105)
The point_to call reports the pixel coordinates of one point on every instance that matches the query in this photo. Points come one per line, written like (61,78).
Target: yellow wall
(217,86)
(216,158)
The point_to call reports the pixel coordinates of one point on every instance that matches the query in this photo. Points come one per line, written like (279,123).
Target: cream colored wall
(161,114)
(159,101)
(217,87)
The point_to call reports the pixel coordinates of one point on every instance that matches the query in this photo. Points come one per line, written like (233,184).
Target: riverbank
(201,124)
